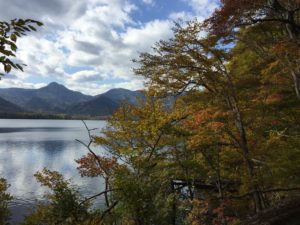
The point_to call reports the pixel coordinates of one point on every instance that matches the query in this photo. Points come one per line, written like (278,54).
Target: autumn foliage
(215,140)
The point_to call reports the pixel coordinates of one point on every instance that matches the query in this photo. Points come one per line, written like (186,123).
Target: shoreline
(50,116)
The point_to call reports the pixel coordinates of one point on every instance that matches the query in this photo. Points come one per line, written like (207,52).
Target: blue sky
(88,45)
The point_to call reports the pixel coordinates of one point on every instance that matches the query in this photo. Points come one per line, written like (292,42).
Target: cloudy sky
(88,45)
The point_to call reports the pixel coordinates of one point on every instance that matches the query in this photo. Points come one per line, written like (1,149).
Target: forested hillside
(55,100)
(9,107)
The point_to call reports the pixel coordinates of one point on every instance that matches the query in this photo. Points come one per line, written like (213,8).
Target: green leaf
(20,22)
(14,66)
(32,27)
(13,37)
(7,68)
(39,23)
(26,28)
(20,67)
(13,47)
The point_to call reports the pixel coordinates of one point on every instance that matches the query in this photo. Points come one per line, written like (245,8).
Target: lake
(27,146)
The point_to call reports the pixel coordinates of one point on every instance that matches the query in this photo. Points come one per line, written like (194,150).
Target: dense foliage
(64,204)
(227,146)
(225,149)
(216,139)
(5,199)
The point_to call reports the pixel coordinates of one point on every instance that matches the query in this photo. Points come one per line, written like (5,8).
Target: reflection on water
(27,146)
(34,129)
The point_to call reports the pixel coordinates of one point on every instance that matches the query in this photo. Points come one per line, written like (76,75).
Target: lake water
(27,146)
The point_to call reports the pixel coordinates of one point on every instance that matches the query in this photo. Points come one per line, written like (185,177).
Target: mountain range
(57,99)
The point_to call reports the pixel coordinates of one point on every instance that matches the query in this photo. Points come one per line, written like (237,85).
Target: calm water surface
(27,146)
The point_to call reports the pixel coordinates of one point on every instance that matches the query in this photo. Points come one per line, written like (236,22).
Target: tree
(64,204)
(135,139)
(5,198)
(235,13)
(9,33)
(227,100)
(285,15)
(225,148)
(215,140)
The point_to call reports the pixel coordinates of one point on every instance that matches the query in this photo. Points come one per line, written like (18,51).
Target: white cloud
(98,88)
(44,57)
(203,8)
(144,37)
(149,2)
(110,52)
(85,76)
(184,16)
(102,36)
(7,83)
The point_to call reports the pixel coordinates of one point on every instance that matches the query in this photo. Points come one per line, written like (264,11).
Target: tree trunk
(293,32)
(106,193)
(296,78)
(173,216)
(259,205)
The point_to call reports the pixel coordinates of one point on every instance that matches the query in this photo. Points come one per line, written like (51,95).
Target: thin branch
(96,157)
(93,153)
(265,191)
(97,195)
(153,148)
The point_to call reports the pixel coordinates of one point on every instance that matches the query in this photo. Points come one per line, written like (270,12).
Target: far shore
(50,116)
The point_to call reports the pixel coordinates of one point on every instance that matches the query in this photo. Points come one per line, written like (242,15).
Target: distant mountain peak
(56,98)
(55,84)
(53,87)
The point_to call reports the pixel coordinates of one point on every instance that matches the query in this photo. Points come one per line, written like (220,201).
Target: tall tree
(188,63)
(137,139)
